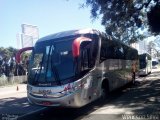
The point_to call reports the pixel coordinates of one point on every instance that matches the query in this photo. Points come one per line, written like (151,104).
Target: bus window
(119,52)
(85,53)
(84,59)
(111,50)
(85,56)
(142,61)
(145,64)
(37,61)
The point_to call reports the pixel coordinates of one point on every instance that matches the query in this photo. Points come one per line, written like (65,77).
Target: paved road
(134,102)
(13,101)
(143,99)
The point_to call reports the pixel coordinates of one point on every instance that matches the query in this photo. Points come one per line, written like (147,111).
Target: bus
(145,64)
(74,68)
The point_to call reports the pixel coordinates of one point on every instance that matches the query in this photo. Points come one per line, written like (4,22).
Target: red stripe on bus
(76,45)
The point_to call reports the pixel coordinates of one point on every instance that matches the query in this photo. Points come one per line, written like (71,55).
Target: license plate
(47,103)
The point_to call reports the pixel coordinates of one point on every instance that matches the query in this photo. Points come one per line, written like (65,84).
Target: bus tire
(104,90)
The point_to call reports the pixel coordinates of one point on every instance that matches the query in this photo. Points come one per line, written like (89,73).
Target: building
(28,36)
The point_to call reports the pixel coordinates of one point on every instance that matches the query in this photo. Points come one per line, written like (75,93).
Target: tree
(154,18)
(122,18)
(7,52)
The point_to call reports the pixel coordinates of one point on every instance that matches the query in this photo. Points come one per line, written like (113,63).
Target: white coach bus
(74,68)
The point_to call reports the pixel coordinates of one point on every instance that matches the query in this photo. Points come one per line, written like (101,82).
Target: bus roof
(67,33)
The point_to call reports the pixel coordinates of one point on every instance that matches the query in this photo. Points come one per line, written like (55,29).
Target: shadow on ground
(143,98)
(16,106)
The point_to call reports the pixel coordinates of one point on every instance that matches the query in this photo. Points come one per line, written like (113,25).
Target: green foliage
(10,52)
(7,52)
(122,18)
(154,19)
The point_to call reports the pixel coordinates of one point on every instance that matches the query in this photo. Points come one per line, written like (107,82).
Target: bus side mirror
(77,45)
(18,54)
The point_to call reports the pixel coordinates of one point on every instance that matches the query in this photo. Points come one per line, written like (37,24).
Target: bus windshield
(52,64)
(142,61)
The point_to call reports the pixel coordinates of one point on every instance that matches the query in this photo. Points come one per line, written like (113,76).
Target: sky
(50,16)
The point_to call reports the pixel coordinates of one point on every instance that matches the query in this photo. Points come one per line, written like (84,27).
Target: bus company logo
(68,87)
(45,92)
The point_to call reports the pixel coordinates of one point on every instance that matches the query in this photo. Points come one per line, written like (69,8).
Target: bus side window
(84,60)
(103,50)
(102,54)
(111,50)
(85,56)
(118,50)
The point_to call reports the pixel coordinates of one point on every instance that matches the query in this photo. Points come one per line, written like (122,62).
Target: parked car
(155,64)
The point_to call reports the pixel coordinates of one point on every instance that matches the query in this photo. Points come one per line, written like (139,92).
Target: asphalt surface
(139,101)
(13,101)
